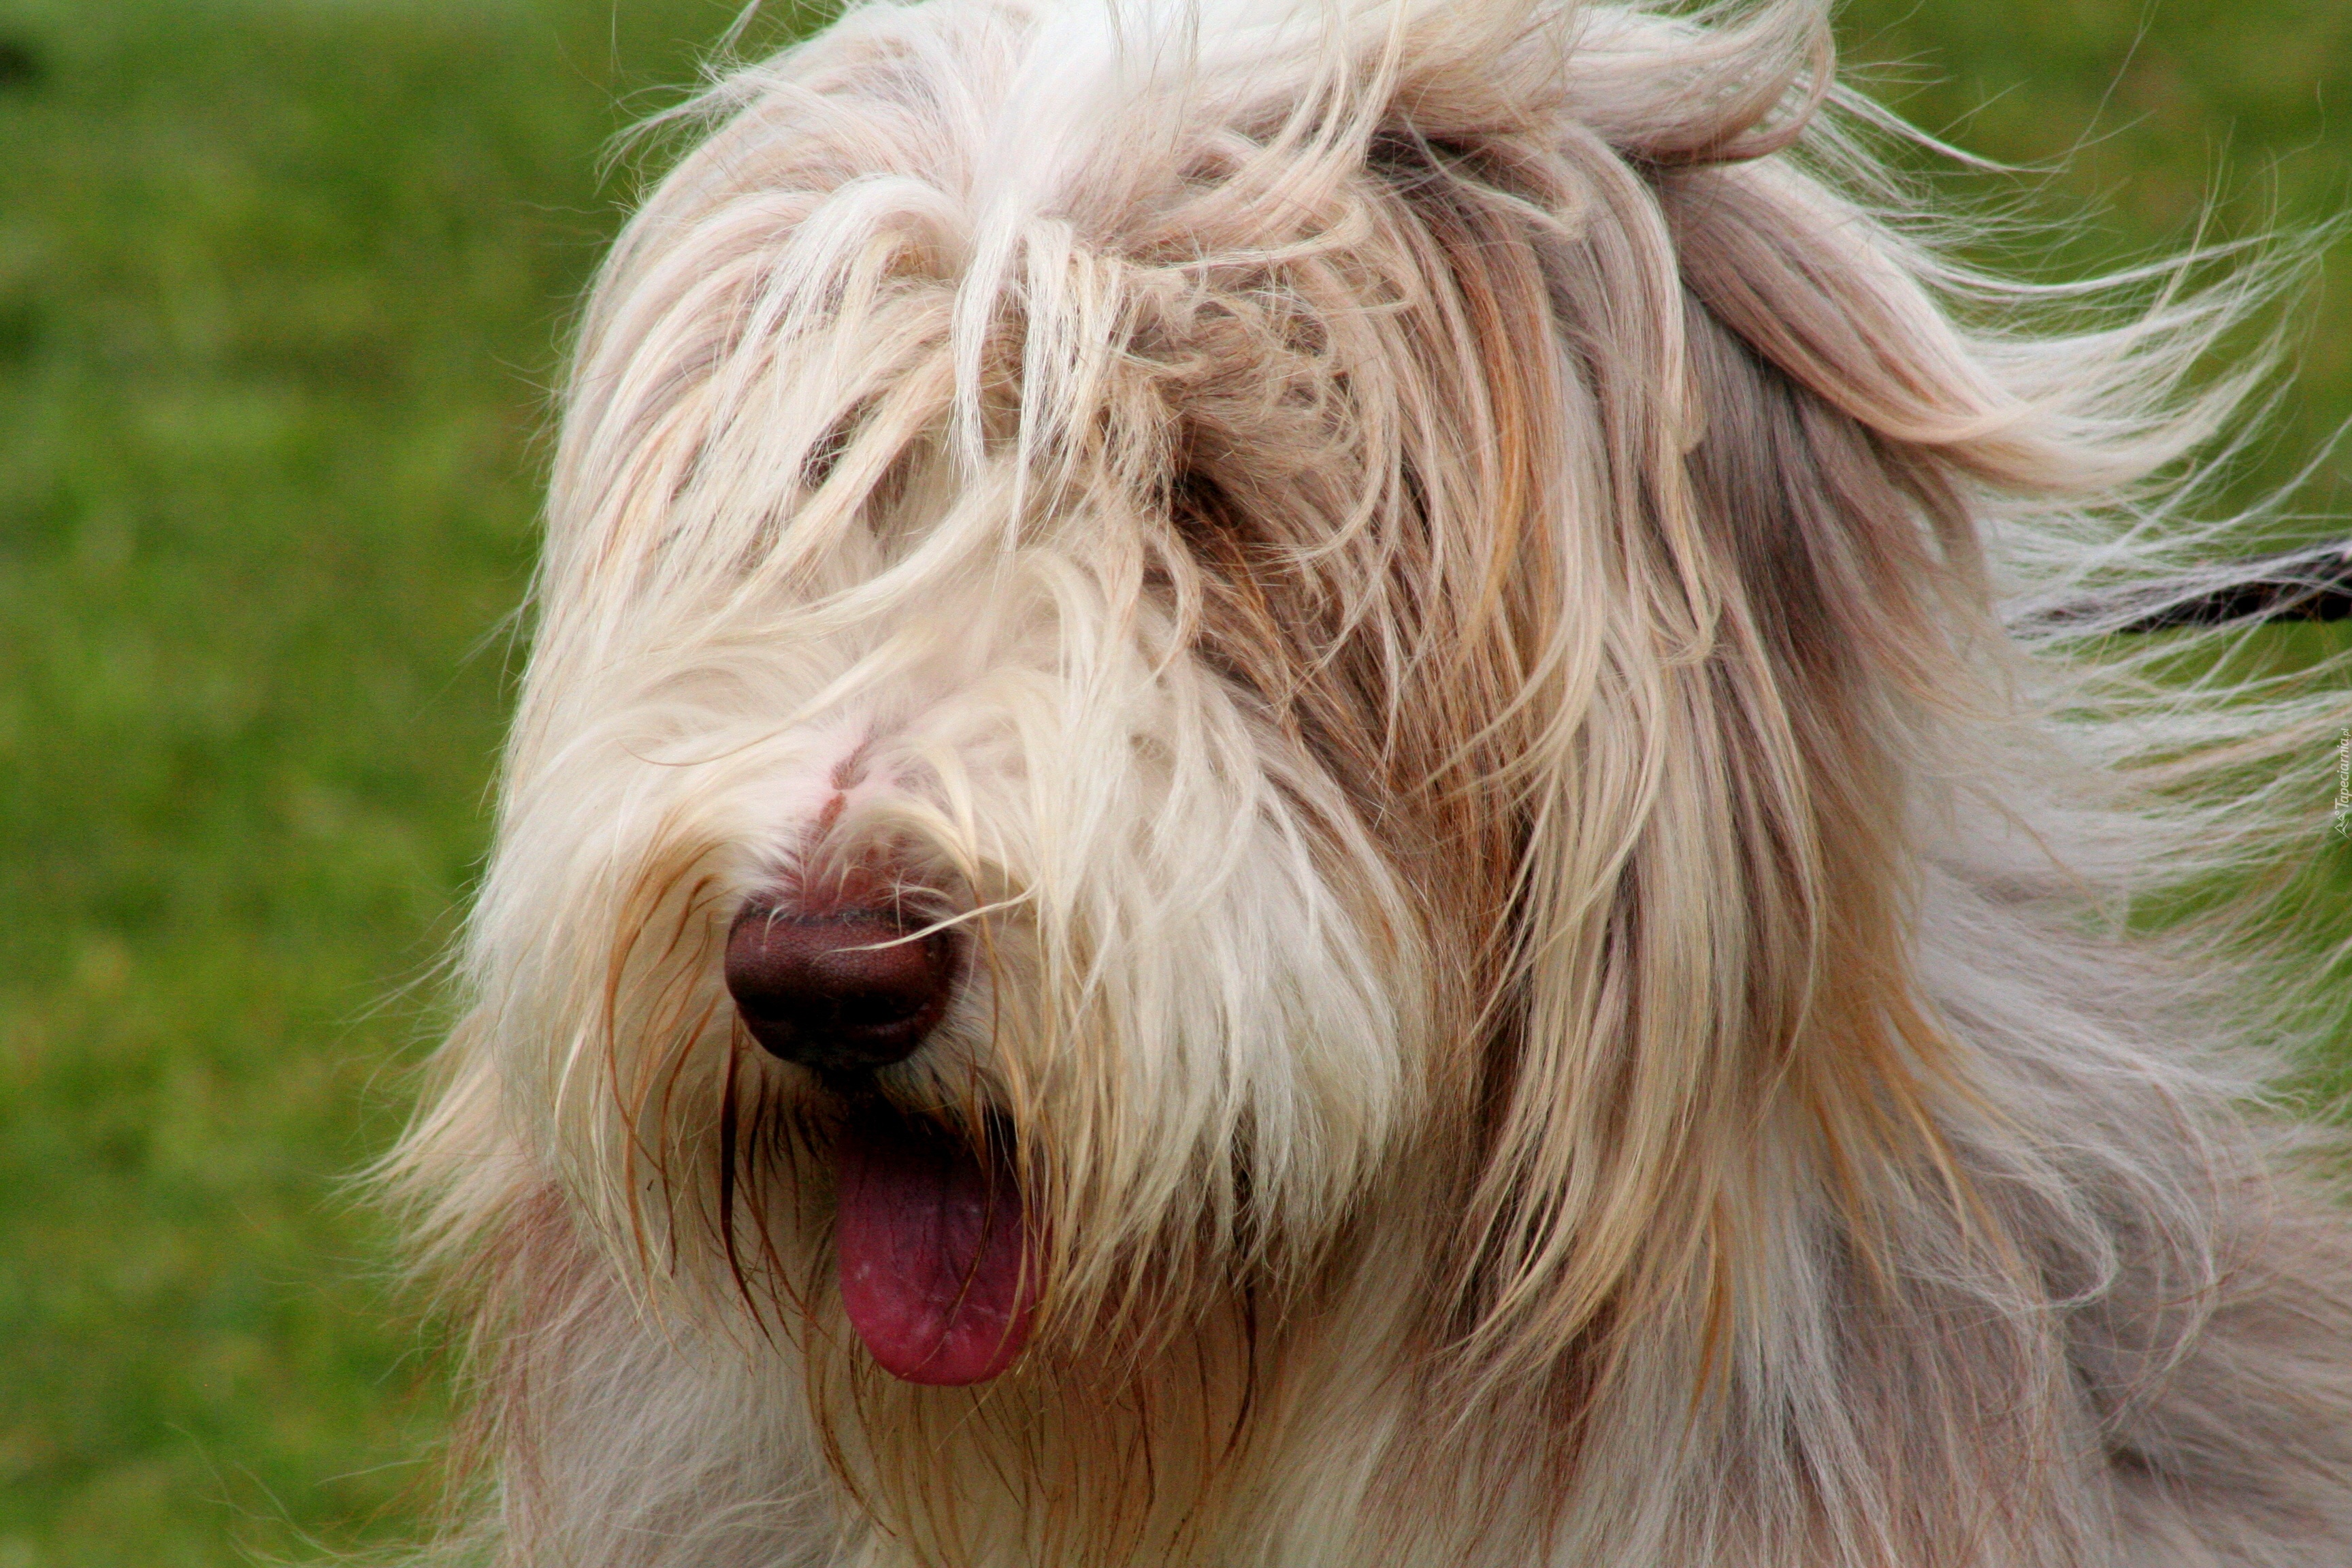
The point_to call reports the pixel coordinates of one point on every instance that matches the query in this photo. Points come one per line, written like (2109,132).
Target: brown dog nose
(843,992)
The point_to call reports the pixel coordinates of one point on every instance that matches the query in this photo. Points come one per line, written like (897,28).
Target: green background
(282,284)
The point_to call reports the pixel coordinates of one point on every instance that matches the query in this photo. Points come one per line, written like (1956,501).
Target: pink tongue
(936,1269)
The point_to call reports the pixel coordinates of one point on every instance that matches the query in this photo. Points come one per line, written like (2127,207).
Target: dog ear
(1769,589)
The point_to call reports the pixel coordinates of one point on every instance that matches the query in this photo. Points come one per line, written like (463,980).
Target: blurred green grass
(282,285)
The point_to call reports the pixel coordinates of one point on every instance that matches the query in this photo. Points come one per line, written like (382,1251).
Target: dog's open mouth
(938,1268)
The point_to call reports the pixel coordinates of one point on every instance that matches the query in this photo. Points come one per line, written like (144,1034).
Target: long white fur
(1424,582)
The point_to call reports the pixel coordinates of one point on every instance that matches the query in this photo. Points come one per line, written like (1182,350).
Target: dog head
(1219,695)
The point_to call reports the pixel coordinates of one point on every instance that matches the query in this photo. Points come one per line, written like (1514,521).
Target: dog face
(1079,590)
(1061,660)
(1198,715)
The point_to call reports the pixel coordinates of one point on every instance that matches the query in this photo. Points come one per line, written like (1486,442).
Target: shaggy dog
(1302,787)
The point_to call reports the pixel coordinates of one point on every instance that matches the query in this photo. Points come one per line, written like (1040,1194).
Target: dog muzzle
(939,1270)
